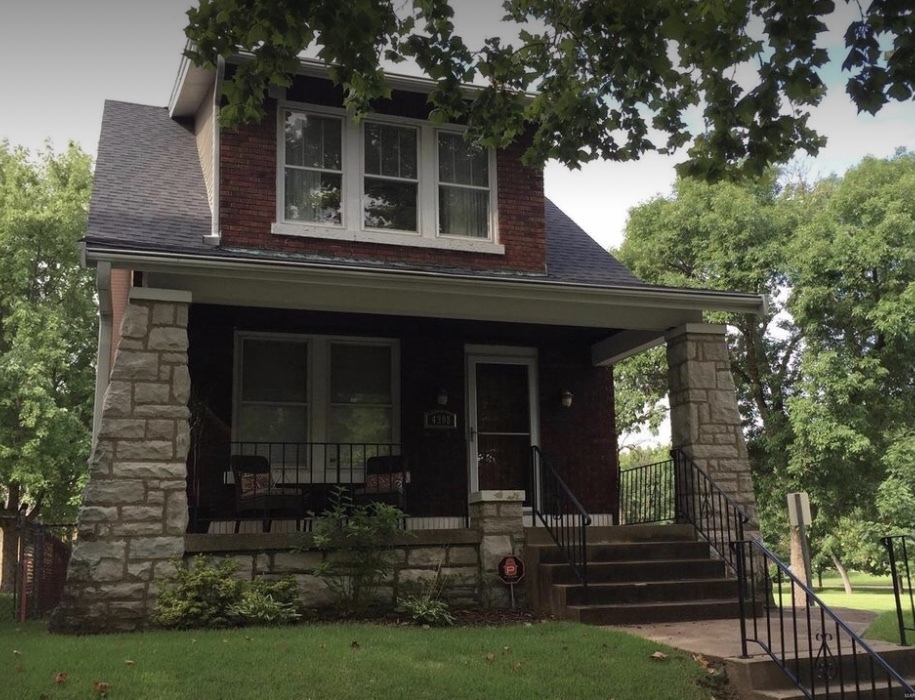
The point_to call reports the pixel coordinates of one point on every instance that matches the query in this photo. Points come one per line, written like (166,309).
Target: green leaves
(607,71)
(48,330)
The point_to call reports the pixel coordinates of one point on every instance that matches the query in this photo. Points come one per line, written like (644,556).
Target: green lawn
(347,661)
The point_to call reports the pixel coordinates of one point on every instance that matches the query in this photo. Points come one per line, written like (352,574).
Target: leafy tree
(47,338)
(854,294)
(729,237)
(610,76)
(824,380)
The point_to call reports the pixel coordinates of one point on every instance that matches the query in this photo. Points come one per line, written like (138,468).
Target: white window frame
(352,227)
(318,377)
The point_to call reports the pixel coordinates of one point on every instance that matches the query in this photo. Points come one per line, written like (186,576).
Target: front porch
(158,464)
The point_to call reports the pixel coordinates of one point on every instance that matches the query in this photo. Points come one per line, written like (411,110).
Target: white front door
(502,421)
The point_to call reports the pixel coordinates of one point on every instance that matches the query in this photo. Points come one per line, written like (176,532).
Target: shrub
(357,542)
(202,595)
(257,607)
(205,594)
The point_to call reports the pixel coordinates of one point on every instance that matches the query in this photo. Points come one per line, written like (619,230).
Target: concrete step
(632,551)
(620,533)
(648,591)
(631,614)
(760,678)
(636,571)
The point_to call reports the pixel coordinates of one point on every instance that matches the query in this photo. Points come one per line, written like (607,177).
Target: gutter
(215,236)
(688,299)
(103,358)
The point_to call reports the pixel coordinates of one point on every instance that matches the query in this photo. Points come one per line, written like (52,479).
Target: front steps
(759,678)
(636,573)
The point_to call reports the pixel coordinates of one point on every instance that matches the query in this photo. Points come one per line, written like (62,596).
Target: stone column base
(498,516)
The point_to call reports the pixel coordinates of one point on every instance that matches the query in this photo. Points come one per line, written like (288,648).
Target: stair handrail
(702,503)
(891,542)
(551,498)
(760,591)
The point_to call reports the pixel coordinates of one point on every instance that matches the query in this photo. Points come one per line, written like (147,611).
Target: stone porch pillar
(704,418)
(498,516)
(134,513)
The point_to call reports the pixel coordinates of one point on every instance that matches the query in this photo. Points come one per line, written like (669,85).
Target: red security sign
(511,569)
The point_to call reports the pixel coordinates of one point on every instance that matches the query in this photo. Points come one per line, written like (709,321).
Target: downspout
(103,360)
(215,236)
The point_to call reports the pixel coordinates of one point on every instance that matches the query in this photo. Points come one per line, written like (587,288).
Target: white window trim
(352,228)
(318,374)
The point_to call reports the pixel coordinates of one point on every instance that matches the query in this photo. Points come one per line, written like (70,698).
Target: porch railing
(818,652)
(677,490)
(562,514)
(899,547)
(312,466)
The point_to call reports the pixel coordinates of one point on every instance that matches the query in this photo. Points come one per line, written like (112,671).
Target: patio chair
(386,479)
(257,493)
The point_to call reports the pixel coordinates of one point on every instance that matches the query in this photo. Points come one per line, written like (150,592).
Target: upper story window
(395,181)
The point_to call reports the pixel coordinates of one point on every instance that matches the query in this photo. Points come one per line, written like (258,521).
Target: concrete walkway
(721,638)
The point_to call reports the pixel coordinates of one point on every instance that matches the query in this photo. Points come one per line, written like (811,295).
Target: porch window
(273,397)
(387,180)
(316,389)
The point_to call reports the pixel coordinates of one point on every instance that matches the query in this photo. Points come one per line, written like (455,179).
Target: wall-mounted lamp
(565,398)
(442,398)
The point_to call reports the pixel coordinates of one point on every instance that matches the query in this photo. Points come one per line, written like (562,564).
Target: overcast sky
(63,58)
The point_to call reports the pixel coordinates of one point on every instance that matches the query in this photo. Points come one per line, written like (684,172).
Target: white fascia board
(191,86)
(362,290)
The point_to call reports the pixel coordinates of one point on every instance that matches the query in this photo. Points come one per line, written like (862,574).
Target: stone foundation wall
(704,417)
(134,513)
(417,561)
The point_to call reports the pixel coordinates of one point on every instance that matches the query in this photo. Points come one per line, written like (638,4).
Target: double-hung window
(315,405)
(385,180)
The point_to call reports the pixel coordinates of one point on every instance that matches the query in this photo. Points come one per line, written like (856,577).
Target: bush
(209,595)
(357,542)
(202,595)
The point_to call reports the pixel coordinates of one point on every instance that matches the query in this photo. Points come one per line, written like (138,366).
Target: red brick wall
(248,208)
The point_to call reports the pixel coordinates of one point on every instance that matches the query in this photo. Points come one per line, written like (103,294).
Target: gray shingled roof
(149,192)
(149,195)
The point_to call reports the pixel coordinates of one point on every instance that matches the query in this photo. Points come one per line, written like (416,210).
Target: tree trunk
(843,573)
(9,559)
(9,556)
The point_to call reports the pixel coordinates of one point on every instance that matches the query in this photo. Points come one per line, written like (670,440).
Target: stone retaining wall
(417,560)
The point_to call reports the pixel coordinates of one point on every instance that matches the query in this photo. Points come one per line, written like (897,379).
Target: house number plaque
(440,420)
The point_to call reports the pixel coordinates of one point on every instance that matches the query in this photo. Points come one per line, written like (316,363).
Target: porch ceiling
(644,312)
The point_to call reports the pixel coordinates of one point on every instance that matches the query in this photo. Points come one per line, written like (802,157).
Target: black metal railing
(562,514)
(677,490)
(897,547)
(817,651)
(647,494)
(313,467)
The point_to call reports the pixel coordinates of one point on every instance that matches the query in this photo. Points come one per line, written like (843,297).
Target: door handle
(473,434)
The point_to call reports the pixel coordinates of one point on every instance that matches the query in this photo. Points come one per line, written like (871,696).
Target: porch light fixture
(565,398)
(442,398)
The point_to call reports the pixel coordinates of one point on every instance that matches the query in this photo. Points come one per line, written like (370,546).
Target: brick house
(324,295)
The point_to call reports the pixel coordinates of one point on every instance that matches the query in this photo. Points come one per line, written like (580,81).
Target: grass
(347,661)
(886,627)
(831,579)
